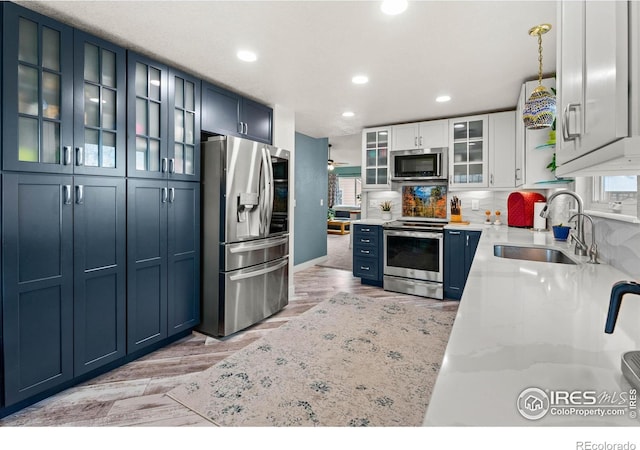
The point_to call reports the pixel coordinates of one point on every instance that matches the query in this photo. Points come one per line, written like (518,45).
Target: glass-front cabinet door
(468,163)
(100,107)
(147,118)
(184,127)
(38,92)
(375,165)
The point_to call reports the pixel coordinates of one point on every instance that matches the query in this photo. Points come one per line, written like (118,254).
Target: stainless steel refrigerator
(245,267)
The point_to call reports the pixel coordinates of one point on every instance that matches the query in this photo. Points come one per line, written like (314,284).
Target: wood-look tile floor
(134,394)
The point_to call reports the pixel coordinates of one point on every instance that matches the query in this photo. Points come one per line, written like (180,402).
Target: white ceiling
(478,52)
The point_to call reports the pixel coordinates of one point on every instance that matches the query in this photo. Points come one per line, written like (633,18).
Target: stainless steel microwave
(419,164)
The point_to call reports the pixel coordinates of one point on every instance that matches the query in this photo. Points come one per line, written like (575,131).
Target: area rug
(348,361)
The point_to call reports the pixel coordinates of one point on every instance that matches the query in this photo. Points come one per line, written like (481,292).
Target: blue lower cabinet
(459,249)
(368,254)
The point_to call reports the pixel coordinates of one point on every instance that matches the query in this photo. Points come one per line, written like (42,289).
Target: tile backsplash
(618,242)
(487,201)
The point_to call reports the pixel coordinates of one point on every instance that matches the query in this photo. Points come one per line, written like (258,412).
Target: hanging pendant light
(540,109)
(330,163)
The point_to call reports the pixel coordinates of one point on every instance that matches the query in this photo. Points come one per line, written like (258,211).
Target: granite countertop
(525,324)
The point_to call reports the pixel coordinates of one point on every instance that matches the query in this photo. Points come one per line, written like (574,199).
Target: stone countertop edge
(527,324)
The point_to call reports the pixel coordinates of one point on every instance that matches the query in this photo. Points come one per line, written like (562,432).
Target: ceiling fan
(331,164)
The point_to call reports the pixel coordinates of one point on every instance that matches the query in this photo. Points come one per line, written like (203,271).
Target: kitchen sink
(542,254)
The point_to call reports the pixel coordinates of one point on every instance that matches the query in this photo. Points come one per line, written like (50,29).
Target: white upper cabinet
(502,149)
(468,161)
(430,134)
(375,158)
(593,86)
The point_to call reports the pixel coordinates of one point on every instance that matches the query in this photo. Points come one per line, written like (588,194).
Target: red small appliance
(520,208)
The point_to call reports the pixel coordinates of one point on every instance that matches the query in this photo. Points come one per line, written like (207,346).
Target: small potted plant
(386,209)
(561,232)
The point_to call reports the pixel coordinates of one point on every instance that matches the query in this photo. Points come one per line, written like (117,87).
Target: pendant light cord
(540,59)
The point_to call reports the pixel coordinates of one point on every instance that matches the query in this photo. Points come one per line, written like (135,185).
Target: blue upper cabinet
(184,127)
(257,121)
(100,107)
(147,118)
(37,92)
(224,112)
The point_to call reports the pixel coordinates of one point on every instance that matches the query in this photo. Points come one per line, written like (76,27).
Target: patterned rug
(348,361)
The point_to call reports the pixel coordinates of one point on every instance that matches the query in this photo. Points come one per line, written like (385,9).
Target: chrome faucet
(592,250)
(580,250)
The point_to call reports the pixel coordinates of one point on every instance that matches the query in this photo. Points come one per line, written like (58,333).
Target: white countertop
(524,324)
(370,221)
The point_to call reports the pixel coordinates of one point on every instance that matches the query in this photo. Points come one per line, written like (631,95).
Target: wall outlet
(475,204)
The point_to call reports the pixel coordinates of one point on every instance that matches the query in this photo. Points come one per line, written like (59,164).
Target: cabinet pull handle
(172,165)
(365,229)
(241,126)
(366,252)
(246,128)
(67,194)
(79,156)
(366,241)
(172,195)
(364,268)
(79,194)
(491,179)
(415,141)
(566,120)
(165,162)
(420,141)
(518,174)
(456,233)
(467,240)
(164,195)
(67,155)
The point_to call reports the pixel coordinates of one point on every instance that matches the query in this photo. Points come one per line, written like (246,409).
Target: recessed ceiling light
(443,98)
(394,7)
(360,79)
(246,55)
(348,114)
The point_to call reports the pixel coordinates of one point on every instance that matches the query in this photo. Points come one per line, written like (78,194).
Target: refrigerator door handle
(264,175)
(271,190)
(259,246)
(255,273)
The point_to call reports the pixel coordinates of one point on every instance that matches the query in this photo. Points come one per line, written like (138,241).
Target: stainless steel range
(413,257)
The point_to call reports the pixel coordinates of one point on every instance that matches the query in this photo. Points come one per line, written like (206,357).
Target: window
(615,194)
(349,190)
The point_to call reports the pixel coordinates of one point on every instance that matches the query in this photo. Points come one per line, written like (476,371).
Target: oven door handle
(416,234)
